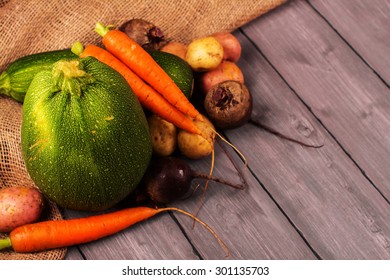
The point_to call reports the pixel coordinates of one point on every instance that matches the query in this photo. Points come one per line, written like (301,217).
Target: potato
(231,45)
(227,70)
(204,54)
(175,48)
(19,205)
(195,146)
(163,134)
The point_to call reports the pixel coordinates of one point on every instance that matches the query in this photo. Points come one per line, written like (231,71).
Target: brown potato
(163,134)
(19,205)
(227,70)
(204,54)
(195,146)
(231,45)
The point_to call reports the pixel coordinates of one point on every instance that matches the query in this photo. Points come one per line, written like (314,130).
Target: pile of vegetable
(102,124)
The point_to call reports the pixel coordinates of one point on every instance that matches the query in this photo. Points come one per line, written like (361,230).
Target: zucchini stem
(5,243)
(69,76)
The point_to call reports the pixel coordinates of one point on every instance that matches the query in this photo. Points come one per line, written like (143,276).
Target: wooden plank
(73,254)
(365,26)
(324,194)
(248,221)
(340,89)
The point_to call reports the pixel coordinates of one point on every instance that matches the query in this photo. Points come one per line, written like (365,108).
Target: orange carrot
(62,233)
(142,63)
(147,96)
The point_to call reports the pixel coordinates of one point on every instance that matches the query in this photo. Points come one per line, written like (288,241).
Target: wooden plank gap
(282,211)
(347,43)
(196,252)
(258,48)
(270,129)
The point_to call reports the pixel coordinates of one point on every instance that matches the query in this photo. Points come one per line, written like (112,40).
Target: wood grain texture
(339,88)
(365,26)
(73,254)
(248,221)
(337,210)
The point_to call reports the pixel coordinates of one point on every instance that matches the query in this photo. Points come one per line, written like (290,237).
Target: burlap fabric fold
(31,26)
(13,173)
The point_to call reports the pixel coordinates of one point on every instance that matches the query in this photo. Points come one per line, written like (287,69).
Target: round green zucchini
(177,69)
(85,138)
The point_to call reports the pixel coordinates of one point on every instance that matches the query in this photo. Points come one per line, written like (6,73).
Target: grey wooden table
(319,72)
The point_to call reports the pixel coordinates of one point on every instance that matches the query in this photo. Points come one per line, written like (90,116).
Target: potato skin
(204,54)
(19,205)
(231,45)
(163,134)
(227,70)
(194,146)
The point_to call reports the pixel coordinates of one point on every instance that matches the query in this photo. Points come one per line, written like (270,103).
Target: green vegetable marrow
(85,138)
(15,80)
(178,69)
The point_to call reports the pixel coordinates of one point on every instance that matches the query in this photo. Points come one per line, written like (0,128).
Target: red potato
(19,205)
(227,70)
(231,45)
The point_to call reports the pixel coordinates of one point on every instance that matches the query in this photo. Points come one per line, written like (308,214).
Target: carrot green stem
(77,48)
(101,29)
(5,243)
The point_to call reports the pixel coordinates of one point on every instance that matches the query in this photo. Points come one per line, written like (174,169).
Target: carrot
(62,233)
(142,63)
(147,96)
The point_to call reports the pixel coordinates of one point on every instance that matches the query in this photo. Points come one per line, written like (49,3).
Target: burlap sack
(31,26)
(13,172)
